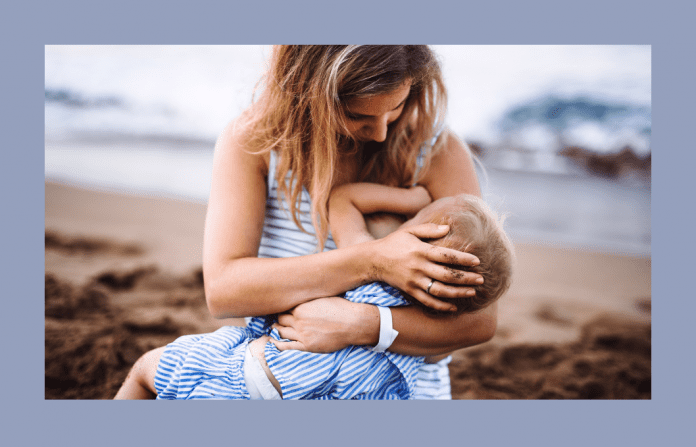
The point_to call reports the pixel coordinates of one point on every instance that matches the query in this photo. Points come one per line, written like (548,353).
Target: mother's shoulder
(235,144)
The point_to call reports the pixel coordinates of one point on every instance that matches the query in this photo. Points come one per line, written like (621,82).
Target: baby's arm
(348,203)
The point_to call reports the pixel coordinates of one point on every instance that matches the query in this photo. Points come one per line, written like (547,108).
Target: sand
(123,275)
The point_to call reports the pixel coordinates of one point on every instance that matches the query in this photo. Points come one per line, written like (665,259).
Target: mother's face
(369,117)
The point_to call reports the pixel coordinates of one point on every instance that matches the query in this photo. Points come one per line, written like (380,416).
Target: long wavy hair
(300,114)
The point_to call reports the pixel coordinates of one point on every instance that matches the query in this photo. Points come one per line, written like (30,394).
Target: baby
(473,228)
(245,363)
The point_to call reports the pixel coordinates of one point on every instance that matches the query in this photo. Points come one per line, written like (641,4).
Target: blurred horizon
(145,118)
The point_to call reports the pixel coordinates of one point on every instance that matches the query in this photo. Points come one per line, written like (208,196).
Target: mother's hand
(326,325)
(423,270)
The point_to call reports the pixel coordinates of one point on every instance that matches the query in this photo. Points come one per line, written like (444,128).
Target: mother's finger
(451,275)
(286,332)
(450,256)
(442,290)
(430,301)
(428,230)
(288,345)
(286,319)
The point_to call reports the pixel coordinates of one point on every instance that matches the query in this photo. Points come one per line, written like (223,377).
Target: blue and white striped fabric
(355,372)
(282,238)
(433,381)
(204,366)
(210,366)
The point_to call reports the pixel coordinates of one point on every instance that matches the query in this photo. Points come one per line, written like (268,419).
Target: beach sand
(123,276)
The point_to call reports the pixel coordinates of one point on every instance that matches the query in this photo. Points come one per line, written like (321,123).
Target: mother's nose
(378,129)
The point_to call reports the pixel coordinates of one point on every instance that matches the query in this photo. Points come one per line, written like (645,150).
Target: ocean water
(143,119)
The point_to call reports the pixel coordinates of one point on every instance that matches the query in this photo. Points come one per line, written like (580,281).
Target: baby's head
(475,229)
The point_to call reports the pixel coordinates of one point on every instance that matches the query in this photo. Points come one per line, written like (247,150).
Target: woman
(330,115)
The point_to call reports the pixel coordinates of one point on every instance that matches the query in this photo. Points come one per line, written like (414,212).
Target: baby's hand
(420,198)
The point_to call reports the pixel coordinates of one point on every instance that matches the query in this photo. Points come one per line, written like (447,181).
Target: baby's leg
(140,383)
(257,348)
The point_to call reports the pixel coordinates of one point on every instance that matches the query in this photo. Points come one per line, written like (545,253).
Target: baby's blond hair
(476,229)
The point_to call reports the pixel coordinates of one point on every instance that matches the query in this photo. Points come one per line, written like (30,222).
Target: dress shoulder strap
(423,152)
(272,164)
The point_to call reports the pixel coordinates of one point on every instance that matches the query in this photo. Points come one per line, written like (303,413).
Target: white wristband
(387,334)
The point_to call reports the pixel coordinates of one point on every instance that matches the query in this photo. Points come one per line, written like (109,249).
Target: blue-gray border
(27,27)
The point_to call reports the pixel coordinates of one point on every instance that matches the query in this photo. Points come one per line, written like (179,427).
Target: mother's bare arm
(237,282)
(330,324)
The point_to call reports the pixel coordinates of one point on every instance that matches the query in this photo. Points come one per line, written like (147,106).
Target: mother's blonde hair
(300,113)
